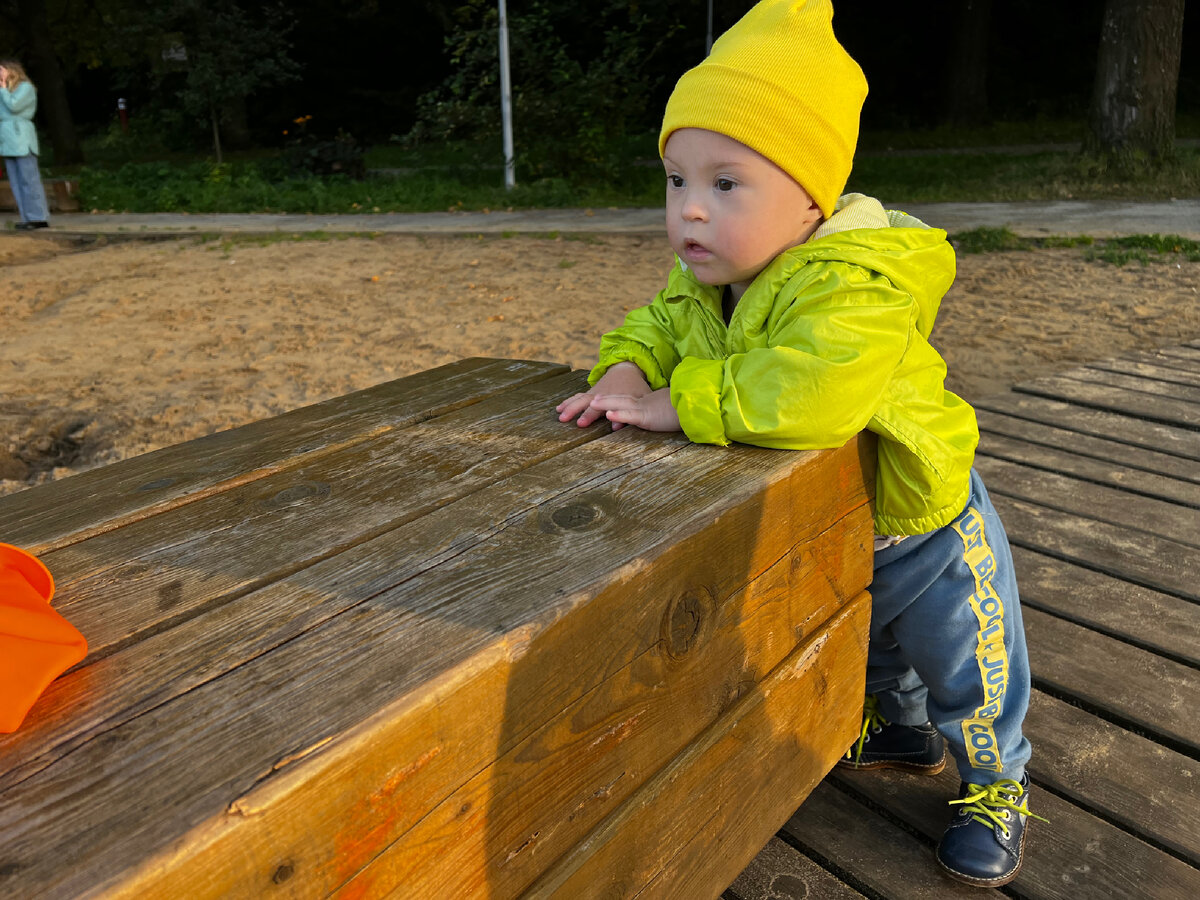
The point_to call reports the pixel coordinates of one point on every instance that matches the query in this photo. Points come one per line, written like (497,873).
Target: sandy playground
(112,350)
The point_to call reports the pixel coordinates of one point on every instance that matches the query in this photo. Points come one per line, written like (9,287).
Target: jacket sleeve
(20,102)
(647,339)
(829,359)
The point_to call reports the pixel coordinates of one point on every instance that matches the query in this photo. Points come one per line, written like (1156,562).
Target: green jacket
(18,137)
(831,338)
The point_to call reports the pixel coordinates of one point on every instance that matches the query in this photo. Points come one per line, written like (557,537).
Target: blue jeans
(947,641)
(27,188)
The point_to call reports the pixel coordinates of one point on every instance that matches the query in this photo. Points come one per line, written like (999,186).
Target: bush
(582,83)
(340,155)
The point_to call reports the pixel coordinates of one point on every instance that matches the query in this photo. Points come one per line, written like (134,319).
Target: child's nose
(693,210)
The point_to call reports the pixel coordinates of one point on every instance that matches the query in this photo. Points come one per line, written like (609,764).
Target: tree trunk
(1137,75)
(51,87)
(235,124)
(216,132)
(966,94)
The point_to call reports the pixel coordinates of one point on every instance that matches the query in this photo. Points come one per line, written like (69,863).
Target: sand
(114,350)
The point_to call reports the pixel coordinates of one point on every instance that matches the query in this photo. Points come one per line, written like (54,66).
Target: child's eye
(724,184)
(675,181)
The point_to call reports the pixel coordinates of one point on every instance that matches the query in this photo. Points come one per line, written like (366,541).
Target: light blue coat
(18,137)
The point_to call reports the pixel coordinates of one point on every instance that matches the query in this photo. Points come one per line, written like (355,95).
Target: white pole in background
(510,172)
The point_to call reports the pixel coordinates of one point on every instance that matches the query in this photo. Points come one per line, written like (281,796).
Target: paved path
(1099,217)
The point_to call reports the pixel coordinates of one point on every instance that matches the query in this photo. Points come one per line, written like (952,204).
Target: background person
(19,144)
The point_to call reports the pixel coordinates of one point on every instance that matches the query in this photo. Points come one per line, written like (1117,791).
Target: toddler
(795,318)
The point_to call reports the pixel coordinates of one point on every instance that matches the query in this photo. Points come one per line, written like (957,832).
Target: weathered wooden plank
(1156,694)
(780,872)
(150,574)
(1143,786)
(1173,364)
(1144,559)
(247,753)
(102,499)
(1130,612)
(870,850)
(1090,500)
(1006,437)
(1076,855)
(1114,426)
(1149,367)
(110,689)
(720,800)
(1170,389)
(1138,404)
(1187,351)
(539,799)
(209,565)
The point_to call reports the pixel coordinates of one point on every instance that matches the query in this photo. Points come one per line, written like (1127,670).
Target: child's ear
(813,214)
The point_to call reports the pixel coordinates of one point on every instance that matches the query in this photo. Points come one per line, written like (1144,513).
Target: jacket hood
(915,257)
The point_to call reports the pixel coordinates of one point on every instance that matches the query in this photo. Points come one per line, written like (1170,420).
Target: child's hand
(623,378)
(650,412)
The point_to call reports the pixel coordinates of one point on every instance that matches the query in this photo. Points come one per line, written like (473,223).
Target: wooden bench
(62,194)
(426,637)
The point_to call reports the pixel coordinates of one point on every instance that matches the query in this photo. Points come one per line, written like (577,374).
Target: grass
(226,242)
(465,176)
(1060,175)
(248,186)
(1142,248)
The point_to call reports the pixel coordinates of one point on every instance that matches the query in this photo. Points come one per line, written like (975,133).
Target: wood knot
(686,621)
(574,516)
(156,485)
(295,494)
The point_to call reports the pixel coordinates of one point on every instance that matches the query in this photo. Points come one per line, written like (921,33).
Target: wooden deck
(1096,473)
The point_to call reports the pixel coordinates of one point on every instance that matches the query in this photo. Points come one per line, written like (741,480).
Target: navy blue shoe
(884,745)
(984,842)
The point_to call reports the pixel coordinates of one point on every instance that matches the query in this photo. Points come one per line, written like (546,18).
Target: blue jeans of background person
(948,644)
(26,182)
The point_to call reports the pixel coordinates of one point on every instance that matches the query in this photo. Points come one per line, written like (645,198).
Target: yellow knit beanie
(779,82)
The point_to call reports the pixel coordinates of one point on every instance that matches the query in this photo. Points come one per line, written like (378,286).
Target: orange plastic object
(36,643)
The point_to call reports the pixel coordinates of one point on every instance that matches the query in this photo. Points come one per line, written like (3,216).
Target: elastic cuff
(696,395)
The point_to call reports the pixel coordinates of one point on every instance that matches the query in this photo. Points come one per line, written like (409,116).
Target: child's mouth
(693,251)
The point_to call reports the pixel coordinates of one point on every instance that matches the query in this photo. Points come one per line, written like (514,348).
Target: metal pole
(708,41)
(510,171)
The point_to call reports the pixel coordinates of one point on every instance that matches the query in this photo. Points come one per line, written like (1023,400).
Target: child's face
(730,210)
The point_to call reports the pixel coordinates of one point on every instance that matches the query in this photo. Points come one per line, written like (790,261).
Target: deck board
(1096,473)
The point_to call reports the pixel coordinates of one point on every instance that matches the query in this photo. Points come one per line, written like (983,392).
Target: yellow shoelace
(871,719)
(987,801)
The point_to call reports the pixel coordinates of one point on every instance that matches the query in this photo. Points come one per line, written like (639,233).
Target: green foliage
(988,240)
(581,78)
(211,54)
(267,186)
(937,177)
(1146,248)
(440,177)
(1143,248)
(306,155)
(230,52)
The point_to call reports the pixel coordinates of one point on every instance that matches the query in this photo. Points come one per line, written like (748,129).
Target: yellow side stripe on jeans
(983,752)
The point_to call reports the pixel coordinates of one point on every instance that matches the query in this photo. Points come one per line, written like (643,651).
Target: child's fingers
(588,416)
(620,417)
(620,409)
(572,406)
